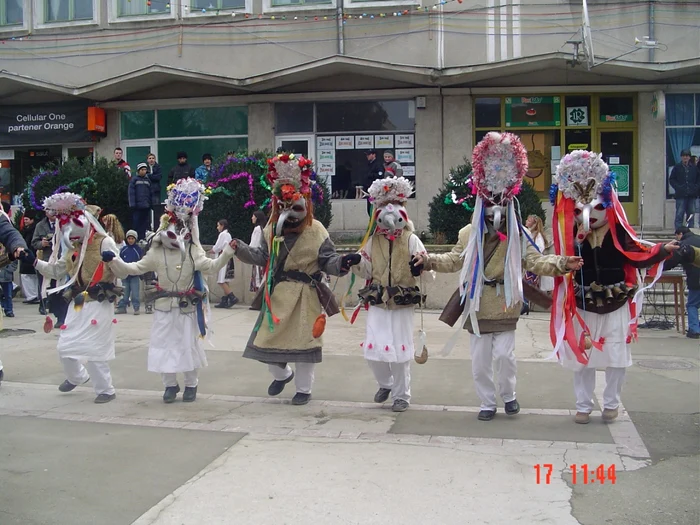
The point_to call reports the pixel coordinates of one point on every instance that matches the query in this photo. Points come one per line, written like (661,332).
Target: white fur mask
(76,229)
(495,214)
(592,215)
(392,219)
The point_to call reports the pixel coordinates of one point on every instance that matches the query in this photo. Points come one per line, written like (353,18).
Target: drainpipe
(341,29)
(652,37)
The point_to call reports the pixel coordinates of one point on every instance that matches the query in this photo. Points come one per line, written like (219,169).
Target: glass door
(298,144)
(617,148)
(136,152)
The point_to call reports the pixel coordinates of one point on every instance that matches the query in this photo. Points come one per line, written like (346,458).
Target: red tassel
(370,346)
(354,316)
(48,325)
(403,347)
(99,273)
(386,348)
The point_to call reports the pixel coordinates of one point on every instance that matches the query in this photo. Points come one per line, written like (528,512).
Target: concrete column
(105,147)
(261,127)
(652,166)
(458,133)
(429,165)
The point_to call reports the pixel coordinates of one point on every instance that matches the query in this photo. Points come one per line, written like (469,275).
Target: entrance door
(298,144)
(617,148)
(136,152)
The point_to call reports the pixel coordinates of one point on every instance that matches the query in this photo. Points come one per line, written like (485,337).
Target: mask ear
(404,215)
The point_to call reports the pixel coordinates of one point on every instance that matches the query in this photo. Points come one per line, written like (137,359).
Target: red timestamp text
(580,474)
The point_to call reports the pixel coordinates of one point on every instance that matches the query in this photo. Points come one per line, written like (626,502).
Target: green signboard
(622,179)
(532,112)
(616,118)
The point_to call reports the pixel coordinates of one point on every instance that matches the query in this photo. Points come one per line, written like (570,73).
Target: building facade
(333,78)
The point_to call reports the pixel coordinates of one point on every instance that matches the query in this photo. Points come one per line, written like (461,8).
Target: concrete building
(331,78)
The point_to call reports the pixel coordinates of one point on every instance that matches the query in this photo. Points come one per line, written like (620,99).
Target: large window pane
(280,3)
(143,7)
(11,12)
(616,109)
(294,118)
(66,10)
(202,122)
(397,115)
(195,148)
(138,125)
(679,110)
(217,4)
(542,147)
(487,113)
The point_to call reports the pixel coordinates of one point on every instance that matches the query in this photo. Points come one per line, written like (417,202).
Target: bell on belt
(184,303)
(608,295)
(618,293)
(587,342)
(423,357)
(599,302)
(589,298)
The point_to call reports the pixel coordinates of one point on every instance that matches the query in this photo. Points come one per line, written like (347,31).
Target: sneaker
(276,387)
(301,399)
(67,386)
(190,394)
(223,303)
(120,310)
(487,415)
(693,335)
(149,309)
(382,395)
(9,314)
(170,393)
(400,405)
(610,414)
(136,312)
(512,407)
(582,418)
(232,299)
(105,398)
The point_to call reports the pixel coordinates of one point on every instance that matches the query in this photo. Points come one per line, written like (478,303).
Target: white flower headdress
(582,176)
(390,190)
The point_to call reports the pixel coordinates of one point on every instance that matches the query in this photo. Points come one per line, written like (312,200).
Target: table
(676,279)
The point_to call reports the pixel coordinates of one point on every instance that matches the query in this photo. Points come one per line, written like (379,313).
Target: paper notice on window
(405,155)
(404,141)
(384,141)
(326,169)
(364,141)
(409,171)
(613,160)
(326,154)
(345,142)
(325,143)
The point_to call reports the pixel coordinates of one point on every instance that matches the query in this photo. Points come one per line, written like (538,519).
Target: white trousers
(584,387)
(98,371)
(394,376)
(30,286)
(303,375)
(191,378)
(498,347)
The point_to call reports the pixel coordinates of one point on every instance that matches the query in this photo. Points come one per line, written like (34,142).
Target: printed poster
(364,142)
(326,154)
(405,155)
(326,169)
(345,142)
(404,141)
(409,171)
(325,143)
(384,141)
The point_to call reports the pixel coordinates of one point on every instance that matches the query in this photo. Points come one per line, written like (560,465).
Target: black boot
(223,303)
(170,393)
(190,394)
(42,307)
(232,299)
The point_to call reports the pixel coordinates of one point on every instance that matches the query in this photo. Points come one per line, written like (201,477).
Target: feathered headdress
(185,198)
(390,190)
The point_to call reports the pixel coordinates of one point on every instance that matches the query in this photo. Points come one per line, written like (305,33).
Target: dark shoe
(2,374)
(692,335)
(512,407)
(149,309)
(67,386)
(105,398)
(276,387)
(232,299)
(223,303)
(399,405)
(170,393)
(525,310)
(120,310)
(136,311)
(300,399)
(382,395)
(9,314)
(42,309)
(487,415)
(190,394)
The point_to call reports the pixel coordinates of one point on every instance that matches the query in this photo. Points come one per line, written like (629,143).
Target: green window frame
(6,12)
(138,124)
(70,13)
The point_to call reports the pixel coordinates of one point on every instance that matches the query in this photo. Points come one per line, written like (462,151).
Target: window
(294,118)
(284,3)
(142,7)
(214,5)
(138,125)
(202,122)
(487,113)
(11,12)
(67,10)
(616,109)
(682,130)
(366,116)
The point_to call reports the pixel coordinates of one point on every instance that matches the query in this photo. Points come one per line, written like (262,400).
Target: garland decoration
(217,186)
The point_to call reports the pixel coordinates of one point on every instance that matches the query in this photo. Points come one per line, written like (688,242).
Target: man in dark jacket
(692,274)
(182,170)
(41,242)
(684,181)
(27,273)
(375,170)
(14,245)
(140,199)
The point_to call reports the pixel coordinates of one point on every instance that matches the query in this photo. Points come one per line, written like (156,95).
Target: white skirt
(221,276)
(89,333)
(389,336)
(175,343)
(613,327)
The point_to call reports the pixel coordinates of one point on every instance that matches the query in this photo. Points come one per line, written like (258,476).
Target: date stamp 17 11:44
(580,474)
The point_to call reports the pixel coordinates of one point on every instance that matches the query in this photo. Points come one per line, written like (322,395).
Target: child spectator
(226,273)
(130,253)
(113,228)
(140,200)
(6,279)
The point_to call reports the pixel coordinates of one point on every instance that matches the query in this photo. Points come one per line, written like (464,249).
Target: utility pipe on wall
(341,29)
(652,36)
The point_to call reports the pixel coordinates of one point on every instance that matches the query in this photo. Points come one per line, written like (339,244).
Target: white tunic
(175,344)
(389,335)
(221,243)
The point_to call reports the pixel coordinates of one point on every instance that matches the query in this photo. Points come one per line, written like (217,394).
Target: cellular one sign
(43,124)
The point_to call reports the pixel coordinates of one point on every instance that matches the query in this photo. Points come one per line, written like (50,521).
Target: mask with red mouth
(74,218)
(179,226)
(388,196)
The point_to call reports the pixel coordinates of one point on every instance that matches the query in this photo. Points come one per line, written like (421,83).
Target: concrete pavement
(238,457)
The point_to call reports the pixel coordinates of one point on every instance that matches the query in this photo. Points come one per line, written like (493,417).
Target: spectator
(41,242)
(226,273)
(154,175)
(684,181)
(114,229)
(204,171)
(539,236)
(182,170)
(686,237)
(391,165)
(130,253)
(27,273)
(256,239)
(140,198)
(150,279)
(121,162)
(375,171)
(7,274)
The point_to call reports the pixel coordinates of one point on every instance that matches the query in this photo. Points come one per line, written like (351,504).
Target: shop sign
(528,112)
(404,141)
(58,124)
(577,116)
(326,169)
(405,155)
(325,143)
(326,154)
(622,179)
(409,171)
(616,118)
(39,153)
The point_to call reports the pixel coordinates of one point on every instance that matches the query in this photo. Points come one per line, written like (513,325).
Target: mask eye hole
(298,207)
(577,211)
(171,235)
(78,222)
(400,219)
(188,236)
(379,220)
(599,207)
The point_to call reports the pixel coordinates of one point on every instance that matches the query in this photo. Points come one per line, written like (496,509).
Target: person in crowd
(259,219)
(687,238)
(121,161)
(685,181)
(181,305)
(27,273)
(130,253)
(544,282)
(375,170)
(391,165)
(43,245)
(114,229)
(297,248)
(228,299)
(7,276)
(155,174)
(150,279)
(86,338)
(15,247)
(203,172)
(182,169)
(140,200)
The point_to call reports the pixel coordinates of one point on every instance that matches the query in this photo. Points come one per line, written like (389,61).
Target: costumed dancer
(491,255)
(295,300)
(181,306)
(87,335)
(594,316)
(392,291)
